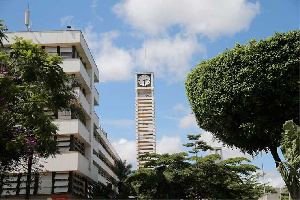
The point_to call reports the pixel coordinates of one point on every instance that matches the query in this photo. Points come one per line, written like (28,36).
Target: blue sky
(176,34)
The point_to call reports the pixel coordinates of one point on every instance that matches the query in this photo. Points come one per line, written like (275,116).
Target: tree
(290,146)
(102,191)
(196,144)
(123,170)
(175,177)
(165,180)
(2,35)
(244,95)
(32,86)
(231,178)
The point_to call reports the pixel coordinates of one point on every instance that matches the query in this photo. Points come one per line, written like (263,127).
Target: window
(51,50)
(79,146)
(65,55)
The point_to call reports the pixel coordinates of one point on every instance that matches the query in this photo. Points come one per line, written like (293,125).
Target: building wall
(84,147)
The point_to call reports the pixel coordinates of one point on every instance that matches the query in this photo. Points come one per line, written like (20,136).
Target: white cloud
(126,150)
(226,151)
(169,57)
(169,145)
(66,21)
(208,17)
(273,178)
(166,57)
(91,37)
(188,121)
(181,108)
(114,63)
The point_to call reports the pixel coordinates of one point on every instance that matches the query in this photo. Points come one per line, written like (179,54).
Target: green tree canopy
(2,35)
(244,95)
(123,170)
(176,177)
(104,191)
(32,87)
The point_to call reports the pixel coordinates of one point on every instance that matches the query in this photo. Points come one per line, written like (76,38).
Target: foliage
(32,86)
(244,95)
(123,170)
(290,146)
(196,144)
(247,93)
(102,191)
(165,181)
(175,177)
(2,35)
(284,194)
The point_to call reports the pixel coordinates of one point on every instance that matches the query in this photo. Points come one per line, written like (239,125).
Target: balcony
(68,161)
(100,147)
(95,119)
(74,127)
(102,179)
(96,96)
(96,72)
(102,164)
(108,150)
(75,66)
(82,99)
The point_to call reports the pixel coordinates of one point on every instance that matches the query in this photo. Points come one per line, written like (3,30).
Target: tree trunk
(28,181)
(294,186)
(1,183)
(295,191)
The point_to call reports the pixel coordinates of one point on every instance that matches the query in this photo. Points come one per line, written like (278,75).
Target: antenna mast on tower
(146,60)
(27,14)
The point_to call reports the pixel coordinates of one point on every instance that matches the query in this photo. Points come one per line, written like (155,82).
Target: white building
(86,154)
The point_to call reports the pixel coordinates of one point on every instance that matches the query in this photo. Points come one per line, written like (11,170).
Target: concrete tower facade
(144,114)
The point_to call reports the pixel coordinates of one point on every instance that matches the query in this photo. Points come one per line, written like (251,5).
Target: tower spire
(146,60)
(27,15)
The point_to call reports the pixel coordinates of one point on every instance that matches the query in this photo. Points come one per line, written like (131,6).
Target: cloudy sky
(176,35)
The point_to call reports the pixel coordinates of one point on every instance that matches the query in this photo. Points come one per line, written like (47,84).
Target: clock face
(144,80)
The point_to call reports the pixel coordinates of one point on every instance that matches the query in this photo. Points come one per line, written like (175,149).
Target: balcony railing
(75,66)
(73,126)
(104,146)
(85,104)
(104,166)
(95,119)
(96,71)
(96,96)
(61,163)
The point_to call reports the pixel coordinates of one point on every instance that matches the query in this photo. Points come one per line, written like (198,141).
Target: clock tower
(144,114)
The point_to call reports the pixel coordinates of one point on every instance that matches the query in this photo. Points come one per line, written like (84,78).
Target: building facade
(144,115)
(87,157)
